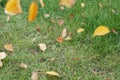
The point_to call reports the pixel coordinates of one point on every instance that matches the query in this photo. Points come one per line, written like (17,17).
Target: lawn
(81,58)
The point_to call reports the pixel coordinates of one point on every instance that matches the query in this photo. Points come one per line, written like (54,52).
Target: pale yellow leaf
(46,15)
(80,30)
(42,46)
(101,30)
(53,73)
(2,55)
(1,64)
(23,65)
(34,76)
(8,18)
(42,3)
(68,38)
(82,4)
(8,47)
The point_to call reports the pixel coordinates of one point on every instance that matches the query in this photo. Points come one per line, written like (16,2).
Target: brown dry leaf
(2,55)
(64,33)
(38,29)
(1,64)
(53,73)
(23,65)
(42,3)
(67,3)
(42,46)
(80,30)
(8,47)
(60,22)
(34,76)
(33,10)
(60,39)
(13,7)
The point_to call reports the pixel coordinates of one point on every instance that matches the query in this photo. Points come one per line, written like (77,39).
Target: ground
(82,58)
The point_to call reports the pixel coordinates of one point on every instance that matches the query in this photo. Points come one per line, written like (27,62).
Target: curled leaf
(101,30)
(34,76)
(13,7)
(8,47)
(42,46)
(67,3)
(33,10)
(2,55)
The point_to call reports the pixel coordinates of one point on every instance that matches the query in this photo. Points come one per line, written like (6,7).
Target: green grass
(99,54)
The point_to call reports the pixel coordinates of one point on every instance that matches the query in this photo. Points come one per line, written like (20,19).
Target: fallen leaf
(60,39)
(76,59)
(101,30)
(100,5)
(68,38)
(1,64)
(64,33)
(13,7)
(8,18)
(80,30)
(62,8)
(2,55)
(42,3)
(72,15)
(34,76)
(67,3)
(8,47)
(42,46)
(53,73)
(114,31)
(60,22)
(46,15)
(33,10)
(113,11)
(82,4)
(23,65)
(38,29)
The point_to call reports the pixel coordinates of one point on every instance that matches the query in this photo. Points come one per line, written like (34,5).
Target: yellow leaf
(53,73)
(13,7)
(100,31)
(42,46)
(80,30)
(2,55)
(33,10)
(42,3)
(8,47)
(67,3)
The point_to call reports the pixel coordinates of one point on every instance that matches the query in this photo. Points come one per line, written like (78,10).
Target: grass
(99,56)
